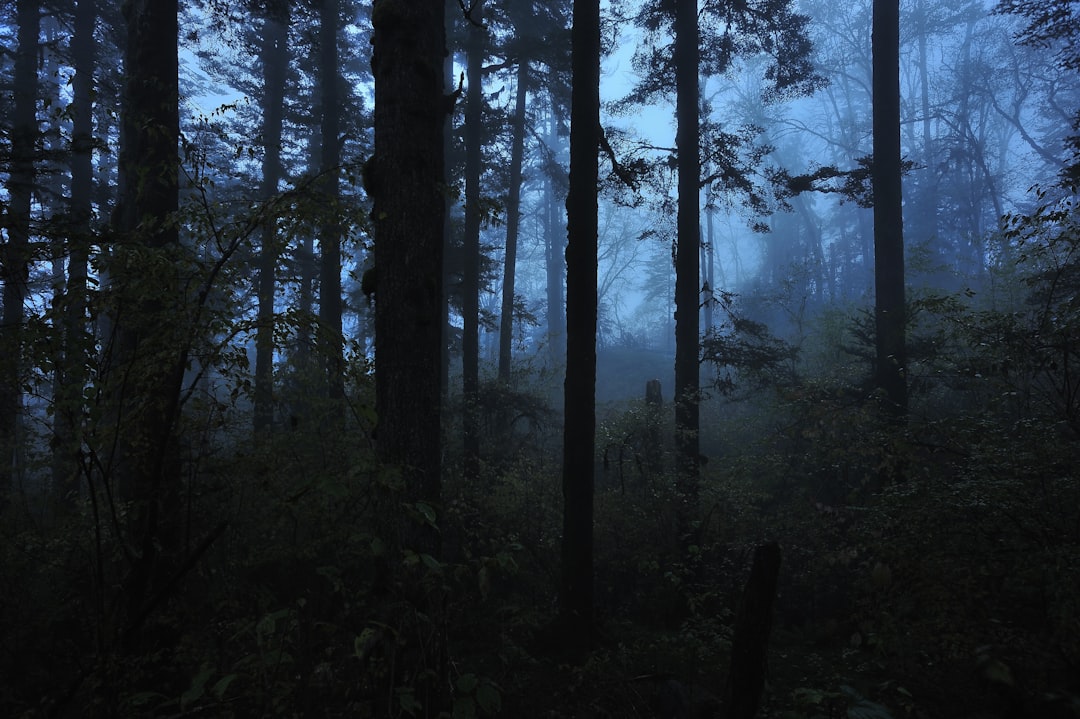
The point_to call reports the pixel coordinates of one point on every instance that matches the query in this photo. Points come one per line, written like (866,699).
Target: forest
(540,358)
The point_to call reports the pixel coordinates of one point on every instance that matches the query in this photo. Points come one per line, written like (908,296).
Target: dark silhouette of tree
(1055,25)
(470,278)
(146,369)
(330,337)
(406,184)
(769,27)
(67,422)
(891,363)
(513,220)
(579,430)
(274,56)
(16,251)
(687,254)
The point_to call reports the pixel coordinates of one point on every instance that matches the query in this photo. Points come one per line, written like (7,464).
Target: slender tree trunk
(77,340)
(929,191)
(888,214)
(144,377)
(16,255)
(448,225)
(513,220)
(470,282)
(275,60)
(409,203)
(330,231)
(554,246)
(686,54)
(55,187)
(579,429)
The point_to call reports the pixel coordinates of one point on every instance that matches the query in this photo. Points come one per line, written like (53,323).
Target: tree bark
(144,377)
(16,255)
(330,335)
(409,199)
(750,642)
(579,430)
(67,419)
(687,270)
(470,280)
(513,220)
(554,246)
(275,58)
(888,214)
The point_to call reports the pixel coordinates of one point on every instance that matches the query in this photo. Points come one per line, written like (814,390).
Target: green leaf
(407,700)
(464,708)
(198,686)
(489,698)
(427,511)
(466,683)
(430,562)
(222,685)
(484,581)
(362,642)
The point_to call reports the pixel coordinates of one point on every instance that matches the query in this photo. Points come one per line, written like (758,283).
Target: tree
(688,243)
(1053,24)
(513,220)
(579,429)
(71,372)
(407,188)
(330,228)
(891,364)
(274,55)
(147,368)
(769,27)
(470,280)
(16,252)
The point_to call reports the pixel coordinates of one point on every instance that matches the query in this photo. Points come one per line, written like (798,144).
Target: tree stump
(749,646)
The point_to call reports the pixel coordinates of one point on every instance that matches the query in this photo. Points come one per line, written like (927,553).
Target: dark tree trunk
(579,430)
(450,10)
(330,229)
(54,187)
(888,215)
(687,290)
(275,60)
(929,191)
(76,337)
(470,279)
(24,139)
(554,246)
(409,204)
(750,643)
(145,375)
(513,219)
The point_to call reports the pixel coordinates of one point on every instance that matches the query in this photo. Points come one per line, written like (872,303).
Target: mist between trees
(693,358)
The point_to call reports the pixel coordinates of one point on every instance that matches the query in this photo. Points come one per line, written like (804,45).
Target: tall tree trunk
(579,424)
(888,213)
(275,60)
(68,422)
(16,255)
(470,281)
(330,230)
(929,193)
(554,245)
(148,363)
(513,220)
(686,55)
(409,203)
(449,10)
(54,187)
